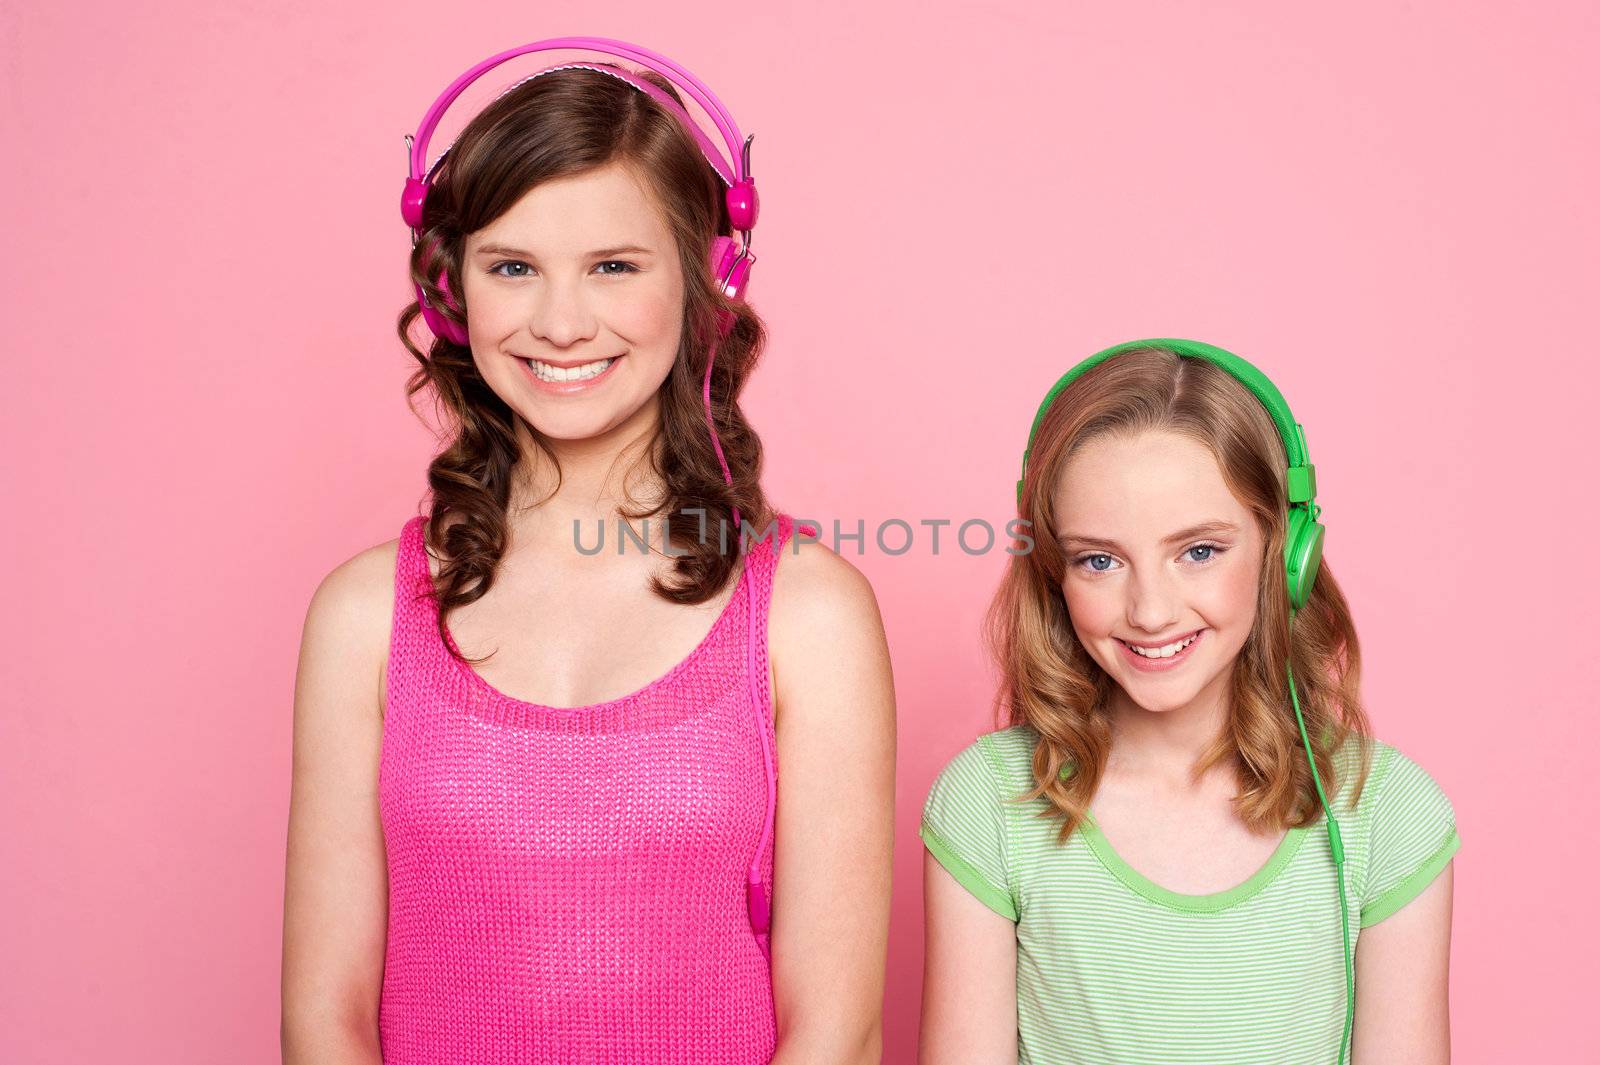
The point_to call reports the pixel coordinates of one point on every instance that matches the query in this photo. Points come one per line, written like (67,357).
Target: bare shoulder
(828,650)
(357,595)
(346,635)
(815,586)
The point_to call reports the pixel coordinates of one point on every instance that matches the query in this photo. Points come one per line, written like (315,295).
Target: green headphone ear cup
(1302,554)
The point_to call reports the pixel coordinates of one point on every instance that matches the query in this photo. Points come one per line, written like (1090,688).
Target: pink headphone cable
(725,323)
(756,899)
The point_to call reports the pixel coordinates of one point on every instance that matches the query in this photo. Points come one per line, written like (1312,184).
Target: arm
(335,906)
(969,976)
(834,705)
(1402,982)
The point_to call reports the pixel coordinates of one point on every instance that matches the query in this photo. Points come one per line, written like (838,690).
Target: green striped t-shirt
(1113,968)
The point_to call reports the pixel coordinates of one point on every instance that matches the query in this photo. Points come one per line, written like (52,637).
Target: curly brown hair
(558,124)
(1050,682)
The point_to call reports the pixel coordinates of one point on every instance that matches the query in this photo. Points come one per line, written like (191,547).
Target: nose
(561,315)
(1153,602)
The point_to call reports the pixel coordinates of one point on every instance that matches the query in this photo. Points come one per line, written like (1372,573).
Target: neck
(597,475)
(1170,741)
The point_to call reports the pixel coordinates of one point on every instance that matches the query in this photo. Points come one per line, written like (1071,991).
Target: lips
(574,386)
(1165,648)
(1142,663)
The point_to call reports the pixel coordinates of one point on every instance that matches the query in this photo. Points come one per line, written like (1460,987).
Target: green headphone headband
(1303,547)
(1302,486)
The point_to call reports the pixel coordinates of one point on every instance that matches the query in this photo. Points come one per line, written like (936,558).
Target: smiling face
(575,300)
(1163,567)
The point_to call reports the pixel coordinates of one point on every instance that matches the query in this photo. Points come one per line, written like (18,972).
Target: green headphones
(1302,554)
(1302,546)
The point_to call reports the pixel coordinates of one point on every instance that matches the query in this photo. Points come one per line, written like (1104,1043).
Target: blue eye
(1092,562)
(1207,552)
(609,268)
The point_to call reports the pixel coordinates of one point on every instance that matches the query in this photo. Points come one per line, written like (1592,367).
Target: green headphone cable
(1336,844)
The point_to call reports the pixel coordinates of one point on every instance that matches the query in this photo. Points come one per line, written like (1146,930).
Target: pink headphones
(730,263)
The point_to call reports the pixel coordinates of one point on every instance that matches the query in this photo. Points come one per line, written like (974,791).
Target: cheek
(1231,599)
(650,315)
(1094,609)
(488,304)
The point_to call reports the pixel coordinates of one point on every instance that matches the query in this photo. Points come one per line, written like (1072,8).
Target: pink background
(1390,207)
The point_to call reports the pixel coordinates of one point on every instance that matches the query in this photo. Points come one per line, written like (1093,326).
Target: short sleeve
(964,828)
(1411,836)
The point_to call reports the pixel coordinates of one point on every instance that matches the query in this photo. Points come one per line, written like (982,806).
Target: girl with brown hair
(537,812)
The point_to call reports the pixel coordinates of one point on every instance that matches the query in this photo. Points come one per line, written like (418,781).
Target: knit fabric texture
(569,884)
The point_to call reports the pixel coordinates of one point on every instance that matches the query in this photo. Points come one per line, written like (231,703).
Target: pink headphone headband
(743,205)
(707,148)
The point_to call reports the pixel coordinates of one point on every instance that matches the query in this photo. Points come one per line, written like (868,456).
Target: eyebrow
(1205,528)
(603,253)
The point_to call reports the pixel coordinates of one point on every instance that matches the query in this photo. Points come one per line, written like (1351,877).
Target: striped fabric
(1114,968)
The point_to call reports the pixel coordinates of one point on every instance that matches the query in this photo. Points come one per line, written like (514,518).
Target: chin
(569,429)
(1160,702)
(568,422)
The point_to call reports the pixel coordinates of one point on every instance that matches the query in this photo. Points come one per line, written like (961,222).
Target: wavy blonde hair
(1051,683)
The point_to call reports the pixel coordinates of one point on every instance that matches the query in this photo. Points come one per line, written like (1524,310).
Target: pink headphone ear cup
(740,280)
(723,250)
(732,278)
(442,327)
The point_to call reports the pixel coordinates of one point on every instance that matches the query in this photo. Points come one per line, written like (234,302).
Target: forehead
(609,206)
(1143,487)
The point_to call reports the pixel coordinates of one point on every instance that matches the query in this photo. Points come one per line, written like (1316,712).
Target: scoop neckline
(1211,902)
(524,707)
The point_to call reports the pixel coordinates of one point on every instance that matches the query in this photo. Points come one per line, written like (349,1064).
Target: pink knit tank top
(569,885)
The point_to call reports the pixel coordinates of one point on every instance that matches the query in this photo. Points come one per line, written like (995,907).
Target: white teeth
(545,372)
(1163,652)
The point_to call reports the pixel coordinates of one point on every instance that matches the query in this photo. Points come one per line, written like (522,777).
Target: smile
(1146,657)
(579,380)
(544,371)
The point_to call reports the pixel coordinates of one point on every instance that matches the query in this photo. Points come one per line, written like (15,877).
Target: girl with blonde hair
(1184,846)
